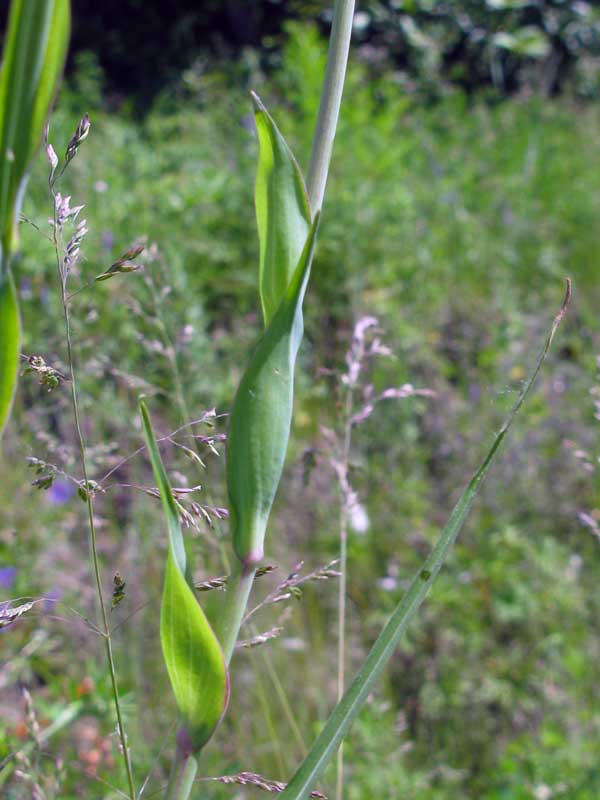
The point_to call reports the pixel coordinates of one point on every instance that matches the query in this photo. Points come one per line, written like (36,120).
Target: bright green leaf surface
(338,724)
(9,345)
(191,650)
(260,421)
(282,212)
(34,54)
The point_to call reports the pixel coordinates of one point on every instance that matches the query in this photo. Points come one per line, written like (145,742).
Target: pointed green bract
(261,418)
(192,653)
(35,47)
(282,212)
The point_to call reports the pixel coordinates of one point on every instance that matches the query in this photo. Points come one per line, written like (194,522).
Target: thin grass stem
(282,696)
(58,249)
(184,414)
(146,780)
(236,600)
(274,737)
(183,774)
(341,653)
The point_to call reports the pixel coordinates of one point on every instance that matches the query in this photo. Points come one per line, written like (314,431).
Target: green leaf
(34,54)
(35,47)
(282,212)
(261,417)
(527,41)
(338,724)
(192,653)
(9,345)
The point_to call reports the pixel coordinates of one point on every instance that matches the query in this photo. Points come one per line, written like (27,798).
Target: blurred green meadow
(454,223)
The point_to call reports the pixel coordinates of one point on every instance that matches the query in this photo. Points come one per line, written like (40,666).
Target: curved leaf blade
(9,345)
(192,653)
(34,55)
(342,716)
(34,52)
(261,417)
(282,212)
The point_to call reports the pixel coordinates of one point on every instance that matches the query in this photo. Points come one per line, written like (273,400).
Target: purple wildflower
(8,576)
(60,492)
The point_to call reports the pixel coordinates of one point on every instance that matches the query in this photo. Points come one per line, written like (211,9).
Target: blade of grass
(34,54)
(34,51)
(340,720)
(9,345)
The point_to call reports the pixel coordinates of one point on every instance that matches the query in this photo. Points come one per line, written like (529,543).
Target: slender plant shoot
(341,718)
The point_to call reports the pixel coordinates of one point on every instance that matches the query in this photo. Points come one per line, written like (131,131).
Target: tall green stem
(231,618)
(331,98)
(183,775)
(329,107)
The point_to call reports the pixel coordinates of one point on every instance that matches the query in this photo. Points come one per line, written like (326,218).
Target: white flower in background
(358,518)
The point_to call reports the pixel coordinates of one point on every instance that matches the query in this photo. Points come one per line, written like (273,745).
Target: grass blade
(192,653)
(34,52)
(9,345)
(33,58)
(340,720)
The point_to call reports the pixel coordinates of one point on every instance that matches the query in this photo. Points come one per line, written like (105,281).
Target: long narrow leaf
(192,653)
(9,345)
(338,724)
(34,54)
(260,421)
(35,47)
(282,212)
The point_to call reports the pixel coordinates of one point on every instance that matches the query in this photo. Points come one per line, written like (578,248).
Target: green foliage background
(454,223)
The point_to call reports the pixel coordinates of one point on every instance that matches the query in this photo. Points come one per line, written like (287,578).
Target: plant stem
(236,599)
(331,98)
(185,767)
(338,724)
(345,459)
(90,508)
(241,580)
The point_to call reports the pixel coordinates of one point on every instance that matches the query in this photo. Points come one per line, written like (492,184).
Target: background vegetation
(453,217)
